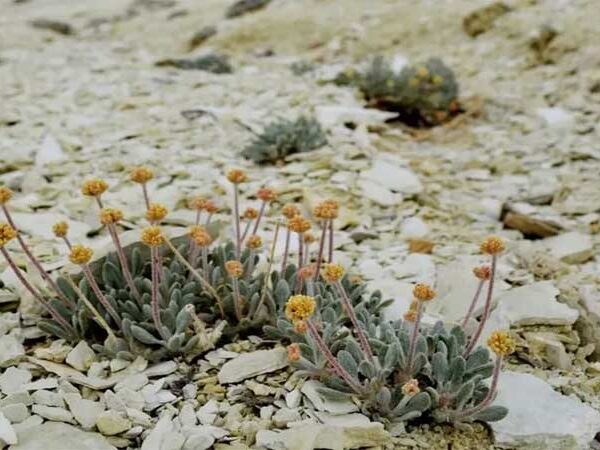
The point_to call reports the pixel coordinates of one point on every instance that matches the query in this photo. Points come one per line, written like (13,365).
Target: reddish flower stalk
(259,218)
(112,229)
(87,272)
(321,249)
(489,398)
(300,249)
(286,250)
(155,295)
(486,310)
(236,221)
(330,241)
(246,230)
(362,338)
(38,266)
(237,299)
(331,359)
(413,340)
(47,306)
(473,303)
(146,196)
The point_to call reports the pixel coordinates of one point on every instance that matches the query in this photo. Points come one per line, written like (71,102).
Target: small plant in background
(213,62)
(165,297)
(424,94)
(242,7)
(285,137)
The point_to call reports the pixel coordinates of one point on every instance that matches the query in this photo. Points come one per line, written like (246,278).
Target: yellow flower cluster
(237,176)
(234,268)
(300,307)
(5,194)
(60,229)
(290,210)
(298,224)
(80,254)
(483,272)
(332,272)
(492,245)
(423,292)
(110,215)
(7,234)
(152,236)
(141,174)
(266,194)
(250,213)
(501,343)
(254,242)
(198,203)
(94,187)
(201,237)
(412,313)
(293,352)
(156,212)
(411,387)
(327,210)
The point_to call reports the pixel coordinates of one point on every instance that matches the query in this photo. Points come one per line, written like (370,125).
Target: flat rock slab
(59,436)
(249,365)
(572,248)
(324,437)
(536,304)
(538,415)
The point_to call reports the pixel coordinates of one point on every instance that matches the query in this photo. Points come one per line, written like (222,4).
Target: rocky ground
(85,97)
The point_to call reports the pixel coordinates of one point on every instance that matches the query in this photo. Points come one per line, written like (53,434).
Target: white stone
(573,247)
(399,291)
(417,268)
(378,194)
(370,268)
(10,350)
(139,418)
(536,304)
(20,397)
(190,391)
(413,227)
(15,413)
(7,432)
(311,390)
(81,357)
(556,117)
(390,175)
(59,436)
(208,412)
(86,412)
(249,365)
(160,370)
(48,398)
(134,382)
(163,436)
(538,414)
(327,437)
(329,116)
(50,151)
(110,423)
(187,416)
(13,380)
(284,416)
(53,413)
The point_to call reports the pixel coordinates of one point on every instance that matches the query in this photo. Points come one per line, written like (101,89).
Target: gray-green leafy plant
(213,62)
(284,137)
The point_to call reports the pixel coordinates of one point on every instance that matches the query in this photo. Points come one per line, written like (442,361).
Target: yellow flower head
(293,352)
(309,238)
(7,234)
(210,207)
(290,210)
(306,272)
(327,210)
(254,242)
(482,272)
(237,176)
(501,343)
(110,215)
(198,203)
(234,268)
(141,174)
(299,307)
(250,213)
(201,237)
(156,212)
(411,387)
(300,326)
(60,229)
(298,224)
(80,254)
(5,194)
(94,187)
(492,245)
(332,272)
(413,311)
(152,236)
(266,194)
(423,292)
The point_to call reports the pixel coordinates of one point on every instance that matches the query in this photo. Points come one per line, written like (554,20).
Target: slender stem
(236,221)
(89,305)
(237,300)
(208,219)
(268,272)
(47,306)
(205,266)
(310,287)
(193,254)
(473,303)
(321,248)
(489,398)
(198,214)
(331,359)
(306,254)
(362,338)
(67,242)
(38,266)
(486,310)
(413,339)
(300,249)
(330,259)
(251,258)
(246,230)
(154,302)
(99,295)
(196,275)
(259,218)
(286,250)
(146,196)
(112,229)
(99,201)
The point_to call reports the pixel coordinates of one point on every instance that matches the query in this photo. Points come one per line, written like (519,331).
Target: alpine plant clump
(165,297)
(423,94)
(285,137)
